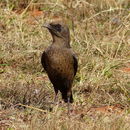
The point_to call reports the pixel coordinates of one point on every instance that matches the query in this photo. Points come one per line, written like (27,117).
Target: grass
(100,37)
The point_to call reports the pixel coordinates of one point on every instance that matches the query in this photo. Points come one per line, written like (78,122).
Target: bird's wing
(75,64)
(43,60)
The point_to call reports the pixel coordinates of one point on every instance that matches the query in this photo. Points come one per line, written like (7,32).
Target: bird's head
(58,30)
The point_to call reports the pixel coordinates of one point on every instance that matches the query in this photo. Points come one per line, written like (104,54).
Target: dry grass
(100,35)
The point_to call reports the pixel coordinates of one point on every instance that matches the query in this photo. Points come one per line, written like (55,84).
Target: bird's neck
(61,42)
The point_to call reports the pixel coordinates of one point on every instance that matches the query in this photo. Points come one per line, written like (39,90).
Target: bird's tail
(66,97)
(66,92)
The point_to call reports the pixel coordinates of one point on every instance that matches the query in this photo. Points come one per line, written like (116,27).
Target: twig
(104,11)
(30,107)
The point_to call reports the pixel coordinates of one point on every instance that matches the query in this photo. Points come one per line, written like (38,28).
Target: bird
(59,61)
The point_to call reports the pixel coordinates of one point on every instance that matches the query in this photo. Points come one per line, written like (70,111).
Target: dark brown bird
(59,61)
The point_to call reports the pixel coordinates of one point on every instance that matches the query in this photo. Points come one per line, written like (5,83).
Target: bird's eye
(57,27)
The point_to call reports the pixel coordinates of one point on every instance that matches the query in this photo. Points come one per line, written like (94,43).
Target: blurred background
(100,36)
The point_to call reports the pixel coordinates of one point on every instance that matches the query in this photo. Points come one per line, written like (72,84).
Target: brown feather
(59,61)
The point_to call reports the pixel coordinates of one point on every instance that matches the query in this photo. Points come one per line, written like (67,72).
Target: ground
(100,36)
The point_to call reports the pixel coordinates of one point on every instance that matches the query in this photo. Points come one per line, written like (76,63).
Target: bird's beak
(46,25)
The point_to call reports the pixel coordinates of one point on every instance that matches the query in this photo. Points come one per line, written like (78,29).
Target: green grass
(99,36)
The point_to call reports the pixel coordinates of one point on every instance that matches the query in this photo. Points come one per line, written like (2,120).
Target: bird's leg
(69,95)
(55,107)
(68,105)
(56,96)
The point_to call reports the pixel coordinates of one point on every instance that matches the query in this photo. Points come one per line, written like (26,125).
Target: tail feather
(64,86)
(65,97)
